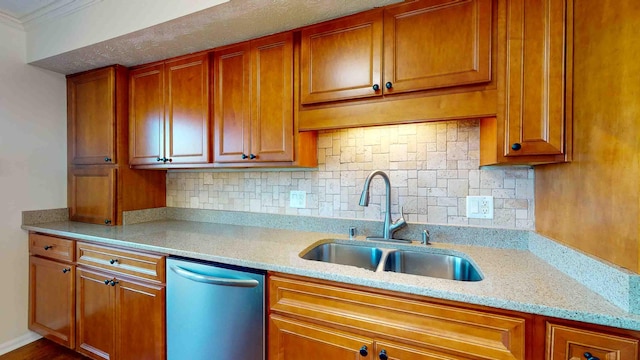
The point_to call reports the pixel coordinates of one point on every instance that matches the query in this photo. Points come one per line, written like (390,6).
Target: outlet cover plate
(297,199)
(480,207)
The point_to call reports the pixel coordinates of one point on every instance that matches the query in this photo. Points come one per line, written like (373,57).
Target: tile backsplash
(432,167)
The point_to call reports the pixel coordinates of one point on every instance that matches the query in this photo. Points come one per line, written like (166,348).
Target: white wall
(32,166)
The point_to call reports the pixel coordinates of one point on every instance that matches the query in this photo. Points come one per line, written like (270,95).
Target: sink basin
(367,257)
(429,264)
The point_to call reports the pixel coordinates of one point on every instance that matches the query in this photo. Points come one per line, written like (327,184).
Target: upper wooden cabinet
(425,45)
(101,184)
(533,123)
(169,112)
(254,122)
(92,115)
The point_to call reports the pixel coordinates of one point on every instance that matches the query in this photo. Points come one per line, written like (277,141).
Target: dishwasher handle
(247,283)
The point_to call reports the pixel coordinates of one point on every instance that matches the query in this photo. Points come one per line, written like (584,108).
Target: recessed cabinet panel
(272,94)
(187,110)
(92,195)
(435,43)
(95,301)
(566,343)
(91,115)
(231,103)
(536,75)
(342,59)
(52,300)
(146,115)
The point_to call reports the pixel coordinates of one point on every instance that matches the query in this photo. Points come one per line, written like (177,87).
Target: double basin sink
(374,258)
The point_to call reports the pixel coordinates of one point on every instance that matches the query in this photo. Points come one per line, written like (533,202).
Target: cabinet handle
(66,270)
(251,156)
(376,87)
(113,282)
(244,157)
(107,221)
(388,85)
(106,282)
(107,159)
(588,356)
(47,247)
(113,261)
(383,355)
(159,159)
(516,146)
(168,160)
(363,350)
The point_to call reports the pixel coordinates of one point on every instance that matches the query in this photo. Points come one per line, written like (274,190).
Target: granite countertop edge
(235,245)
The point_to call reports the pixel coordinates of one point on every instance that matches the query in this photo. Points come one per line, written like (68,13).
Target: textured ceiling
(224,24)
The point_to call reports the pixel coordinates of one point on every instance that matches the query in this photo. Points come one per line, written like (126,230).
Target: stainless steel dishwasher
(214,311)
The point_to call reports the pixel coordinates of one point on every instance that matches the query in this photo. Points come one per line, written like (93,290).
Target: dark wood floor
(42,349)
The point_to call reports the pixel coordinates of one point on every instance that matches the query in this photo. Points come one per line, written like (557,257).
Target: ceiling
(228,23)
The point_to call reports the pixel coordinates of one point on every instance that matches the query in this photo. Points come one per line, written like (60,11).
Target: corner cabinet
(254,123)
(533,123)
(169,112)
(100,183)
(333,320)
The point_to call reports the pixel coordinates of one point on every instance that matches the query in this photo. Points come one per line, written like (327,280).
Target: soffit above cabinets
(227,23)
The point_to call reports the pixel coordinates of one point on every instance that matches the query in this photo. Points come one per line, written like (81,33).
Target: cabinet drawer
(144,265)
(435,327)
(51,247)
(567,343)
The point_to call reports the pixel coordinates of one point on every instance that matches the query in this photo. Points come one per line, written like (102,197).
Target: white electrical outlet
(297,199)
(480,207)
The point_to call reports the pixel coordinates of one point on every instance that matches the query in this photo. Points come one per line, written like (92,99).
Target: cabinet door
(91,117)
(342,59)
(437,43)
(536,78)
(187,110)
(146,115)
(566,343)
(140,320)
(52,300)
(92,195)
(232,111)
(295,340)
(95,312)
(272,98)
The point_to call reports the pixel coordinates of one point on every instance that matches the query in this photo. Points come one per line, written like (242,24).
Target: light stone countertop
(514,279)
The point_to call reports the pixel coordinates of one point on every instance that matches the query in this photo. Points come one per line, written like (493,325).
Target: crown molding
(54,10)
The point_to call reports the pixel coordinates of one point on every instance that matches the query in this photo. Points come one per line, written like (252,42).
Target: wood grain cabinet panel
(169,112)
(435,329)
(52,247)
(128,262)
(253,105)
(52,300)
(91,108)
(95,313)
(92,196)
(146,115)
(342,59)
(437,43)
(567,343)
(533,124)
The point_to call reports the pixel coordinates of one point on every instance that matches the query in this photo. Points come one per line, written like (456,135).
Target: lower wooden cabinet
(52,300)
(336,320)
(569,343)
(119,317)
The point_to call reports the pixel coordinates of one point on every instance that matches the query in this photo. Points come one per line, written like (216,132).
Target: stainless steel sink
(367,257)
(431,264)
(438,265)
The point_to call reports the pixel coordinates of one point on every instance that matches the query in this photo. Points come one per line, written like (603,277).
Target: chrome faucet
(389,228)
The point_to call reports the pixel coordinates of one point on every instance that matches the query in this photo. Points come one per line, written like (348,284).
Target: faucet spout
(388,227)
